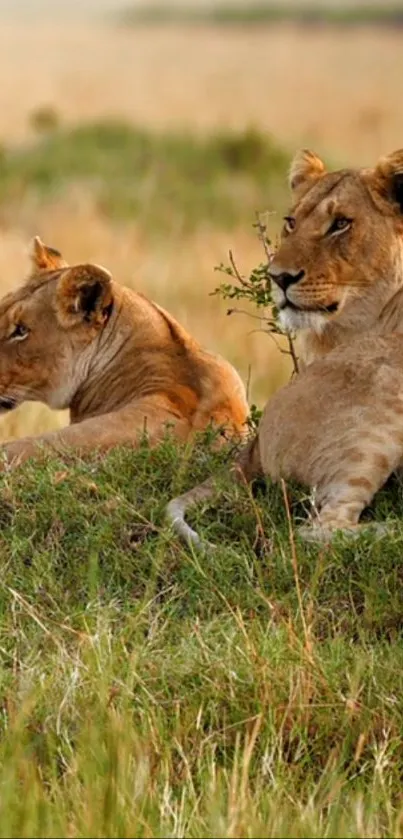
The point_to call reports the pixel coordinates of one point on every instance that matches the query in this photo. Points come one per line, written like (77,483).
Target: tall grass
(149,691)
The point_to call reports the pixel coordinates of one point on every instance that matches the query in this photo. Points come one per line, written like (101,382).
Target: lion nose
(285,278)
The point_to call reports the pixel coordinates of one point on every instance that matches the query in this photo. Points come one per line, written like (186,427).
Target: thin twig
(236,311)
(235,270)
(263,238)
(291,350)
(270,254)
(251,292)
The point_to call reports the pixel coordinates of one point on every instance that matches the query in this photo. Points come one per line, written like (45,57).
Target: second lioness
(72,338)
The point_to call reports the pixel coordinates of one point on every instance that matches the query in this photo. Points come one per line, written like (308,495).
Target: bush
(154,177)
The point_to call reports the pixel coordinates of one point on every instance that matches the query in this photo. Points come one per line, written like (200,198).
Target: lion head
(48,329)
(339,265)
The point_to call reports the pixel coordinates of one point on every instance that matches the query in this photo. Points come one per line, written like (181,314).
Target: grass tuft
(150,691)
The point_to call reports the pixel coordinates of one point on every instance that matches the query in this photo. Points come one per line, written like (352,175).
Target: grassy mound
(150,691)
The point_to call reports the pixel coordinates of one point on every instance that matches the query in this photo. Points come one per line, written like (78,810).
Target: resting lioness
(337,275)
(338,271)
(72,338)
(337,428)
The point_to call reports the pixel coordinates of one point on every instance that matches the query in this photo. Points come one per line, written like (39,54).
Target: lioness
(336,427)
(338,271)
(337,274)
(72,338)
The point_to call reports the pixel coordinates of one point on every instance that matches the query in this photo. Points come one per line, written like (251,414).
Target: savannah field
(335,90)
(146,690)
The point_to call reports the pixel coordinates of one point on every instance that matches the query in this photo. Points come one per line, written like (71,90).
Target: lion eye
(289,223)
(339,224)
(19,332)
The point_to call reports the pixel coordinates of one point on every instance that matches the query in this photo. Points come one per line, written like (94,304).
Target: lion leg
(333,521)
(339,507)
(125,427)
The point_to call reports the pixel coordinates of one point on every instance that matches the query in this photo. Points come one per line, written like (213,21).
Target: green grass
(259,13)
(149,691)
(163,180)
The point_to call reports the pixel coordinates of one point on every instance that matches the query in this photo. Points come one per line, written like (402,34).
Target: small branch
(270,254)
(248,314)
(235,270)
(291,350)
(262,236)
(256,289)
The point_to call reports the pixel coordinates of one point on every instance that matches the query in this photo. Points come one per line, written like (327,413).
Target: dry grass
(148,692)
(335,90)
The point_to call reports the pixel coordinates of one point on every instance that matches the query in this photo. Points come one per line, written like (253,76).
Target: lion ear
(387,178)
(84,295)
(305,169)
(45,258)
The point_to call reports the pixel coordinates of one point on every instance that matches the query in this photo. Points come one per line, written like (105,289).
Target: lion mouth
(317,310)
(7,404)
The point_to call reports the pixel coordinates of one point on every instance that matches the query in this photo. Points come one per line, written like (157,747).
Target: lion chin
(293,320)
(340,251)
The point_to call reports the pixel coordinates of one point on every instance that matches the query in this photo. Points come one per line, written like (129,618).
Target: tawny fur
(350,280)
(72,338)
(337,281)
(336,427)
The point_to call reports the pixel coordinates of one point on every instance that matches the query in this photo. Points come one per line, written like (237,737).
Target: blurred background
(146,136)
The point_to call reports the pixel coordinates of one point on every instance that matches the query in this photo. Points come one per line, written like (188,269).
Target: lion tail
(245,468)
(178,507)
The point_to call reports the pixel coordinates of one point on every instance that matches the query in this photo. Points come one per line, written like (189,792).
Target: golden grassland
(146,690)
(336,90)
